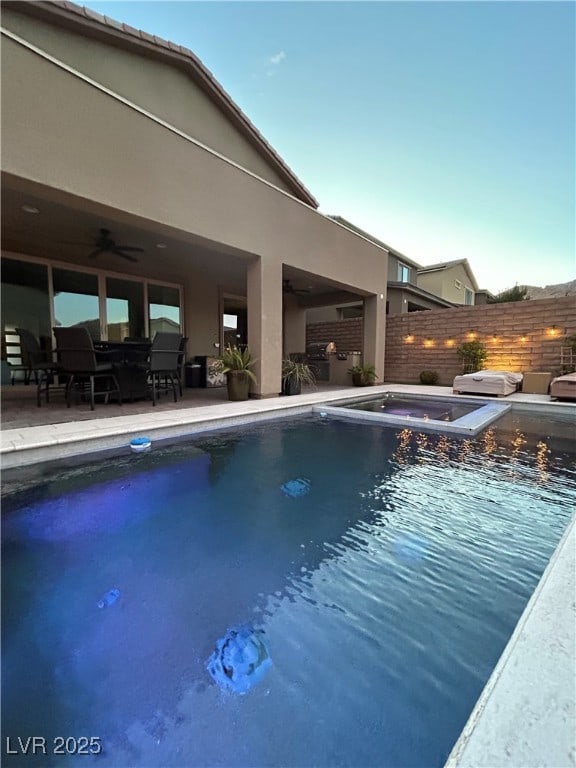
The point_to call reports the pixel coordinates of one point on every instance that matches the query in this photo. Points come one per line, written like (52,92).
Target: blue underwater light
(240,659)
(109,598)
(299,487)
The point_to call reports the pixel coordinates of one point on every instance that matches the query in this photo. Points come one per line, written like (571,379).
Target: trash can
(192,374)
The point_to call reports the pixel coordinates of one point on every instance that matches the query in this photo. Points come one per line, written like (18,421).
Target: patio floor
(30,434)
(19,409)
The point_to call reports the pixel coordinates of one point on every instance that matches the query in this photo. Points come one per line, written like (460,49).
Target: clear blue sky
(446,129)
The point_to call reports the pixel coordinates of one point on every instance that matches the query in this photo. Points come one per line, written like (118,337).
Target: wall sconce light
(409,339)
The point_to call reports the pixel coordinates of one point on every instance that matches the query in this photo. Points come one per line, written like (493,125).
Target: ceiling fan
(104,243)
(287,287)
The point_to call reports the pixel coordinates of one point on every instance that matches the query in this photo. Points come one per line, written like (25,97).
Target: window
(164,309)
(403,273)
(346,313)
(124,309)
(76,300)
(468,296)
(458,284)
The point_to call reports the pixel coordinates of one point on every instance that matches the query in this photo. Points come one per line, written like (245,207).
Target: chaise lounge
(487,382)
(563,387)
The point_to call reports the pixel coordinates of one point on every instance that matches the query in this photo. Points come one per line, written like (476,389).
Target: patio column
(294,326)
(264,284)
(375,332)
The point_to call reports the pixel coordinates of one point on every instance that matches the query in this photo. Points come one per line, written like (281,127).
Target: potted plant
(237,364)
(473,355)
(363,375)
(295,375)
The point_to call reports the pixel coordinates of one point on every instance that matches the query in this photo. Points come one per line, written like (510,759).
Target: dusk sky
(446,129)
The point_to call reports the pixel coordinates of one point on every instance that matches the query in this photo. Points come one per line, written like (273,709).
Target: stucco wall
(163,89)
(442,283)
(436,334)
(102,154)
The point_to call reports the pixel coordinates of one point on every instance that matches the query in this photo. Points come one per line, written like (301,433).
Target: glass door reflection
(124,309)
(76,300)
(164,309)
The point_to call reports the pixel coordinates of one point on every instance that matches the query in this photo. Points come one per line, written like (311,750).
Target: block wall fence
(519,336)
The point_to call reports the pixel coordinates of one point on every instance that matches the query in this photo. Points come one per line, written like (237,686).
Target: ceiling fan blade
(127,256)
(72,242)
(130,248)
(96,252)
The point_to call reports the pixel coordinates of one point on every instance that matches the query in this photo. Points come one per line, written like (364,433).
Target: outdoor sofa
(487,383)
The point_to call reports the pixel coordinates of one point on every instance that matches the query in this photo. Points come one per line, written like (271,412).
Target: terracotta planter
(238,383)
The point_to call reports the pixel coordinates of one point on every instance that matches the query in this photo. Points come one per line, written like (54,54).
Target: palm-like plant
(238,360)
(300,373)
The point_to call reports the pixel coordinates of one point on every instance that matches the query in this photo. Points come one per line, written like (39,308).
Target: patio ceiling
(65,228)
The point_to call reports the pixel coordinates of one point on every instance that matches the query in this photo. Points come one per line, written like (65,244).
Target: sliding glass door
(164,309)
(124,309)
(37,295)
(76,300)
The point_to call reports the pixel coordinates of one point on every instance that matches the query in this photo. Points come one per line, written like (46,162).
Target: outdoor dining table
(129,359)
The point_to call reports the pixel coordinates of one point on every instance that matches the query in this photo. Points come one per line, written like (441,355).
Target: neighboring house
(403,292)
(114,136)
(453,281)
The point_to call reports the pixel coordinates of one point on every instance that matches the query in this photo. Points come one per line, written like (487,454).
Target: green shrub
(429,377)
(473,355)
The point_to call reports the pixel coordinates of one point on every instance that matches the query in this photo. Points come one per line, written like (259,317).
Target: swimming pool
(386,592)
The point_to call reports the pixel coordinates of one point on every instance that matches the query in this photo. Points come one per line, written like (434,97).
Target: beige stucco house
(453,281)
(108,128)
(404,294)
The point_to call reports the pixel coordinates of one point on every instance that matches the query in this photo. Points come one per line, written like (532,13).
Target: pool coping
(519,719)
(525,715)
(467,425)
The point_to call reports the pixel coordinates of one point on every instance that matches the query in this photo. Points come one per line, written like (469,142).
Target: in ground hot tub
(433,414)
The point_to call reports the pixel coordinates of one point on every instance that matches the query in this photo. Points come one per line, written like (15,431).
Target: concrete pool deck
(80,431)
(526,714)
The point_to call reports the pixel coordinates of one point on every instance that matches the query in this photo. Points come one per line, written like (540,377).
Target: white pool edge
(525,716)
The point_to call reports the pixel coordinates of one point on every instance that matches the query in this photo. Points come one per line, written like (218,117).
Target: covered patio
(127,208)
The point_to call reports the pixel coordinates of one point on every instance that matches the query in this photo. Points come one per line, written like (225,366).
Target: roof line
(103,26)
(344,222)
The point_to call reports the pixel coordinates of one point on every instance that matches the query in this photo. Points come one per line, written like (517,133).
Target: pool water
(419,408)
(386,592)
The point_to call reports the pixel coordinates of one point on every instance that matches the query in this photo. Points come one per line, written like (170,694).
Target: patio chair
(181,361)
(78,361)
(37,363)
(163,361)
